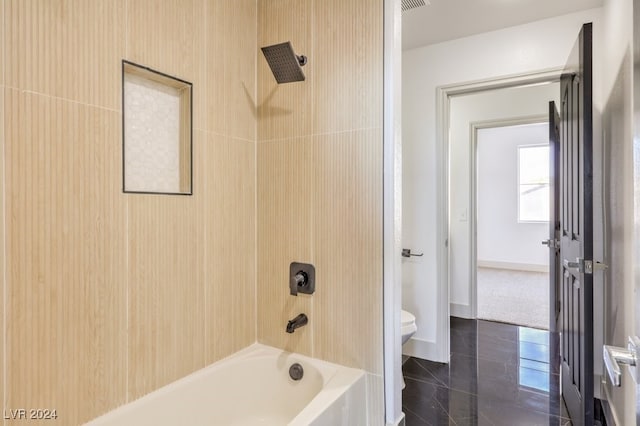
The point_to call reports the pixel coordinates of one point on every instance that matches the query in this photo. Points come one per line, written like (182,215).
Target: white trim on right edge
(442,233)
(392,214)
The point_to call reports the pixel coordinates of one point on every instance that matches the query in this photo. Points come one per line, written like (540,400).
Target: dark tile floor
(499,374)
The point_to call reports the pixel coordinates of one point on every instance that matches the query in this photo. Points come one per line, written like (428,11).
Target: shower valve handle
(302,278)
(298,280)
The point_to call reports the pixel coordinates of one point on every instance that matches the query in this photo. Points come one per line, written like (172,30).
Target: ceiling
(450,19)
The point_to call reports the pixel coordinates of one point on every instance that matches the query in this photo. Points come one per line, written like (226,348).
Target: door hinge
(585,266)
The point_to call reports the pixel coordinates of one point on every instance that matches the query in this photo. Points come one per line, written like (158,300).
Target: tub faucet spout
(297,322)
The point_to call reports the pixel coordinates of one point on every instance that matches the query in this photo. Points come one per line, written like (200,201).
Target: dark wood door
(576,230)
(554,219)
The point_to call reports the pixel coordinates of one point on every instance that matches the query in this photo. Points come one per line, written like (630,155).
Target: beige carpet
(515,297)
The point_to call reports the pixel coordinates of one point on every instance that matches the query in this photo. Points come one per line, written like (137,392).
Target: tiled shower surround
(109,296)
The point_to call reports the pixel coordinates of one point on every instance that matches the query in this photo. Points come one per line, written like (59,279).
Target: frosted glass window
(533,183)
(156,132)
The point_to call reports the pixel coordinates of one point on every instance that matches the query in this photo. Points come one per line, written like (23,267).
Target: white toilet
(409,327)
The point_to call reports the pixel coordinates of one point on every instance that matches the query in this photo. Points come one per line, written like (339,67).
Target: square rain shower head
(284,63)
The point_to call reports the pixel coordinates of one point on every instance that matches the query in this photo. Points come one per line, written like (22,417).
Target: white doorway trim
(473,201)
(392,208)
(443,110)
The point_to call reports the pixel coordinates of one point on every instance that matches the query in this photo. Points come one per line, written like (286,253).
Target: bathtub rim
(337,379)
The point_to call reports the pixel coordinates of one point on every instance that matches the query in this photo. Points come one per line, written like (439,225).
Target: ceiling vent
(412,4)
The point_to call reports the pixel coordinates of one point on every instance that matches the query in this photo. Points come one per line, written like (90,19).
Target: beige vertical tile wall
(166,289)
(66,48)
(230,259)
(320,181)
(169,36)
(110,295)
(347,229)
(239,53)
(348,54)
(2,25)
(231,54)
(166,244)
(285,185)
(66,251)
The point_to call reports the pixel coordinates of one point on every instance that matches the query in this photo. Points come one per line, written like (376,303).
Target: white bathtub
(253,387)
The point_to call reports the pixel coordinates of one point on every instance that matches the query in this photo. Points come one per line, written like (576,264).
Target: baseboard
(530,267)
(423,349)
(460,311)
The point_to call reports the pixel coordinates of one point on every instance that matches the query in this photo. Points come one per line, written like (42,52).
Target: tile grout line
(311,135)
(4,221)
(4,224)
(480,414)
(313,180)
(214,133)
(404,407)
(58,98)
(205,186)
(439,384)
(255,182)
(126,229)
(432,375)
(414,413)
(2,39)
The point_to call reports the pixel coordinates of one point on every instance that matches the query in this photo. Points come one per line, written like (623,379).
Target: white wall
(618,186)
(536,46)
(501,238)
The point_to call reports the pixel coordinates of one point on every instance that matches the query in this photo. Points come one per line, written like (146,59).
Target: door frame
(443,112)
(392,208)
(473,194)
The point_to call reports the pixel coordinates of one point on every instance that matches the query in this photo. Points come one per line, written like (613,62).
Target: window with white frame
(533,183)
